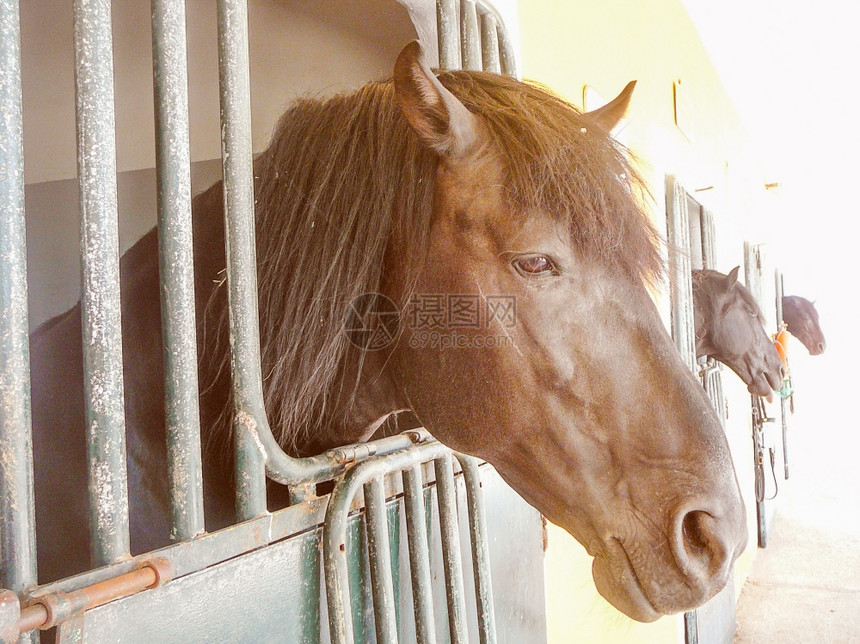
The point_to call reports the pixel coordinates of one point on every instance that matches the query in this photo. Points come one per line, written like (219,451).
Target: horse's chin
(759,387)
(764,385)
(619,585)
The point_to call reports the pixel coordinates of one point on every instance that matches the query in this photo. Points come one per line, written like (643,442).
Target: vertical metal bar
(176,264)
(490,44)
(17,522)
(480,549)
(446,25)
(100,301)
(451,556)
(783,402)
(419,555)
(680,279)
(237,156)
(713,377)
(335,562)
(506,52)
(380,561)
(469,37)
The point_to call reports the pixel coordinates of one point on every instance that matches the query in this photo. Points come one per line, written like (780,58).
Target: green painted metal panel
(275,594)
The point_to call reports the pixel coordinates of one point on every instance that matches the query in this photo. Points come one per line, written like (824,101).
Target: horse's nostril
(695,538)
(702,550)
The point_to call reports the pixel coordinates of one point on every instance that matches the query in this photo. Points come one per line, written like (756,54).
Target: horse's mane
(344,177)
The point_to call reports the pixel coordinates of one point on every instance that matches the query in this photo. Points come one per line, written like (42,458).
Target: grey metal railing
(176,267)
(369,477)
(100,296)
(17,521)
(474,39)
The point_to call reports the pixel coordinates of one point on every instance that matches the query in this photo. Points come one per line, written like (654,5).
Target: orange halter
(780,340)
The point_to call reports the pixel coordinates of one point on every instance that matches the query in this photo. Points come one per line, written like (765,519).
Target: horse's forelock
(558,162)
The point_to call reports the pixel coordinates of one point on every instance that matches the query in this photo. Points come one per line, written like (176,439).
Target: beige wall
(568,45)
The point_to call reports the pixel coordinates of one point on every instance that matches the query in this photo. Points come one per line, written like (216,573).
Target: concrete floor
(805,586)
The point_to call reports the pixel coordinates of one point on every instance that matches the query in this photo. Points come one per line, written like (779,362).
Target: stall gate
(404,509)
(691,236)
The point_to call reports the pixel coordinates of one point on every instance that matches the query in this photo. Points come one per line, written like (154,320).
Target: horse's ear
(611,114)
(732,277)
(441,121)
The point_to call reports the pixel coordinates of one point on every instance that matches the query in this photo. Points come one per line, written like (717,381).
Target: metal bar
(256,447)
(237,157)
(50,610)
(452,559)
(490,44)
(379,553)
(469,45)
(176,265)
(209,549)
(480,549)
(680,280)
(100,301)
(334,531)
(17,521)
(448,34)
(507,59)
(783,402)
(419,555)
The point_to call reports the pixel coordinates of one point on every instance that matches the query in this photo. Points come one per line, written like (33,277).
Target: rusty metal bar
(48,611)
(17,521)
(448,34)
(451,556)
(490,44)
(176,266)
(469,36)
(378,549)
(480,549)
(419,555)
(100,300)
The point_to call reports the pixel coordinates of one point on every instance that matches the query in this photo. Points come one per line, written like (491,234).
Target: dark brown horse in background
(801,319)
(730,328)
(472,185)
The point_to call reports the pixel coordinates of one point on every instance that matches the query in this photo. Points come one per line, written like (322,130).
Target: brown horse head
(492,234)
(730,328)
(801,317)
(586,408)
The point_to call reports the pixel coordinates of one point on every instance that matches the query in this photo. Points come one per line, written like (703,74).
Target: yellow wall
(567,45)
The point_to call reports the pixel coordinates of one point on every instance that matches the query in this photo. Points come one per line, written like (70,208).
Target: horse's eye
(534,265)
